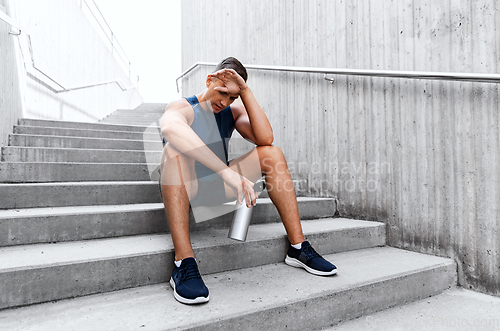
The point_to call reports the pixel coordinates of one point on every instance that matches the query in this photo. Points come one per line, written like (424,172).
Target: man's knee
(270,152)
(176,168)
(172,157)
(270,157)
(170,151)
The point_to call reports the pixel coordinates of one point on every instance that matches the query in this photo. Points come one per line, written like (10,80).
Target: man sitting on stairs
(195,170)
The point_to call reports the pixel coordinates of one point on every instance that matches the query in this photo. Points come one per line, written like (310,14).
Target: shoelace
(310,253)
(189,272)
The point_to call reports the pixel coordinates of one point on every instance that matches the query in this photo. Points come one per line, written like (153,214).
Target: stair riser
(51,229)
(127,121)
(156,106)
(255,253)
(155,114)
(80,125)
(84,226)
(150,108)
(27,154)
(67,281)
(146,116)
(33,196)
(145,111)
(149,120)
(131,120)
(78,279)
(76,172)
(333,308)
(87,143)
(68,132)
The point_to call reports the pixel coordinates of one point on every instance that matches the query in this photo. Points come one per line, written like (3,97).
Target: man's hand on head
(233,83)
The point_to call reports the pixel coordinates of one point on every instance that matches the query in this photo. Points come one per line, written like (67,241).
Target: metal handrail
(116,47)
(453,76)
(7,19)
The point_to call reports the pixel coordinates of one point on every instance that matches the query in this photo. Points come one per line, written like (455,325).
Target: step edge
(127,207)
(84,123)
(169,249)
(79,138)
(345,289)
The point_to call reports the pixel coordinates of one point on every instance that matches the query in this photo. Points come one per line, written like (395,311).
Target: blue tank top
(214,129)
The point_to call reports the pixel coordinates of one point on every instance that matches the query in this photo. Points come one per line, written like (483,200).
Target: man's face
(219,99)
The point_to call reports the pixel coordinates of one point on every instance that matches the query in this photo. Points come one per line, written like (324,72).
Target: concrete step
(142,120)
(269,297)
(28,172)
(87,143)
(28,273)
(125,113)
(59,224)
(81,125)
(44,154)
(149,134)
(154,106)
(454,309)
(141,115)
(39,195)
(127,121)
(140,111)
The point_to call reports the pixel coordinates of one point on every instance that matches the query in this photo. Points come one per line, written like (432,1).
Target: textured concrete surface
(455,309)
(155,116)
(73,132)
(149,106)
(77,142)
(35,172)
(28,272)
(44,154)
(131,120)
(77,194)
(10,82)
(270,297)
(57,224)
(82,125)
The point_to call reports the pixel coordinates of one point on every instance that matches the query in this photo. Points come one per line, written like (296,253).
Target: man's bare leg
(282,193)
(279,185)
(281,190)
(178,184)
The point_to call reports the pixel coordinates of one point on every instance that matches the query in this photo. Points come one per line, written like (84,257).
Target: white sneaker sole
(185,300)
(297,264)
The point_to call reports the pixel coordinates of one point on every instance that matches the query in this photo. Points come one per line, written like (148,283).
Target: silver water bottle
(241,221)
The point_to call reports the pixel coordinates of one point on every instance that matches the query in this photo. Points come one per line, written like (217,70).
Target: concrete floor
(455,309)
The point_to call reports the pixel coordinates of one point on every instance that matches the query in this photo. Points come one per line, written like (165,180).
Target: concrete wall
(68,49)
(10,95)
(421,156)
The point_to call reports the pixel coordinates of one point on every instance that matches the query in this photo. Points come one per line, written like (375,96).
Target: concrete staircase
(84,244)
(145,114)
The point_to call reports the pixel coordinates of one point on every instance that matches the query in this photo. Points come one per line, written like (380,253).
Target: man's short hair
(233,63)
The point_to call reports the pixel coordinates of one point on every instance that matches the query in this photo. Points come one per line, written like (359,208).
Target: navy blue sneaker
(186,281)
(307,258)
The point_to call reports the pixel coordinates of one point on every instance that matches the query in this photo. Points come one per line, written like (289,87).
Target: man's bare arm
(175,127)
(251,121)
